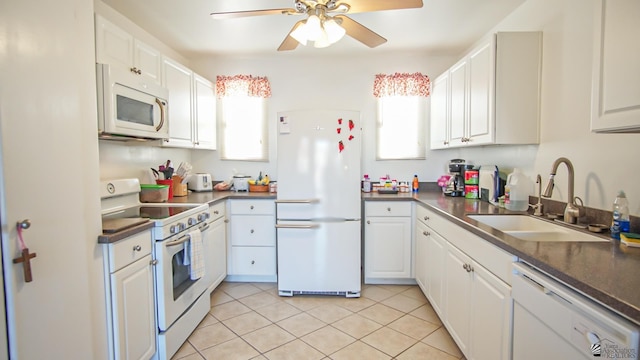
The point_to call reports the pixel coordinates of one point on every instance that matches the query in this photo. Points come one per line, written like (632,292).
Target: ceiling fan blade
(358,6)
(360,32)
(289,43)
(238,14)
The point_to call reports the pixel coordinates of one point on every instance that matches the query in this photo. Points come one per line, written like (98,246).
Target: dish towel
(194,255)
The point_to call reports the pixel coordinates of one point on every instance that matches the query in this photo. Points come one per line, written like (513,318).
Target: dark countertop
(604,271)
(108,238)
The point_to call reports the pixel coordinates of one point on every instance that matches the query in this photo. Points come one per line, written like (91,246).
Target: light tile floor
(250,321)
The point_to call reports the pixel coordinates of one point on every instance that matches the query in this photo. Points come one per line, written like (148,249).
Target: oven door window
(181,279)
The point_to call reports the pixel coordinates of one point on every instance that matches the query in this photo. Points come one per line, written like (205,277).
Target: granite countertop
(604,271)
(108,238)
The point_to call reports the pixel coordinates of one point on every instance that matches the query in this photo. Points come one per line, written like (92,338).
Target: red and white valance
(243,85)
(401,84)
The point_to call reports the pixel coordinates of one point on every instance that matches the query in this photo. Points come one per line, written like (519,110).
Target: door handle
(291,226)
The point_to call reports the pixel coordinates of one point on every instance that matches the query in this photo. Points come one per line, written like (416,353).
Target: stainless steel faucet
(571,211)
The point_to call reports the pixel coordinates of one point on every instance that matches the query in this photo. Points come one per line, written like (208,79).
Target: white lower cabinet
(252,241)
(466,280)
(132,325)
(215,246)
(388,243)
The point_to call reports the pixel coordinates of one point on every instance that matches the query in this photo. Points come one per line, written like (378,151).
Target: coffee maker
(455,185)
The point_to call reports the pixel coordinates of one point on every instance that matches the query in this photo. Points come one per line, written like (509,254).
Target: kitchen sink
(529,228)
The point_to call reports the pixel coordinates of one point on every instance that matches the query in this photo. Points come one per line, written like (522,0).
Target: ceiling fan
(326,22)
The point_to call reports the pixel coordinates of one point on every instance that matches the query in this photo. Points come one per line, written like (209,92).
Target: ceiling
(445,27)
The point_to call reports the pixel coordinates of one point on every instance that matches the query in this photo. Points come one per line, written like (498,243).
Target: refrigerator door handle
(303,201)
(291,226)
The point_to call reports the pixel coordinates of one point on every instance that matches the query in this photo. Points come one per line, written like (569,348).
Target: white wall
(304,82)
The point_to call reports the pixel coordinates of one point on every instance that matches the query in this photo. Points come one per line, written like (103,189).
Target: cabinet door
(205,113)
(148,60)
(458,296)
(436,256)
(490,316)
(440,112)
(458,105)
(388,247)
(218,268)
(615,104)
(132,299)
(422,256)
(177,78)
(114,46)
(481,75)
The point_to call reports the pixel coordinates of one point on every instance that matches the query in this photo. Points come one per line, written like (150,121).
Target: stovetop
(151,212)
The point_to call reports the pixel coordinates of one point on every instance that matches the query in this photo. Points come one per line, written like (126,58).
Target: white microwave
(129,105)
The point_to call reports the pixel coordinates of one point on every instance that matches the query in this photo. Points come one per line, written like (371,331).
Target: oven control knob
(201,217)
(191,221)
(174,229)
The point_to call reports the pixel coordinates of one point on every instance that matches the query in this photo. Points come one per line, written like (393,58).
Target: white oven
(175,289)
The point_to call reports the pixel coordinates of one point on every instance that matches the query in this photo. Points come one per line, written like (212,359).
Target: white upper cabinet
(205,113)
(493,94)
(177,79)
(116,47)
(615,102)
(192,107)
(440,112)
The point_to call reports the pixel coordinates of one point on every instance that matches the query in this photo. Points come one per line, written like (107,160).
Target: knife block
(179,189)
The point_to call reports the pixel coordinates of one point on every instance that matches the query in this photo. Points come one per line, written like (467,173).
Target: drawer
(387,208)
(217,211)
(423,215)
(127,251)
(253,207)
(253,260)
(253,230)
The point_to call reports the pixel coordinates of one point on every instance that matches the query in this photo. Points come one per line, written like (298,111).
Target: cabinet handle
(426,218)
(426,233)
(388,209)
(135,70)
(251,207)
(216,212)
(446,143)
(253,262)
(252,231)
(467,267)
(368,221)
(137,248)
(153,262)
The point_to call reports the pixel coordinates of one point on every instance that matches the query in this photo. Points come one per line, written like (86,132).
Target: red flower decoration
(340,146)
(338,130)
(351,125)
(340,121)
(350,137)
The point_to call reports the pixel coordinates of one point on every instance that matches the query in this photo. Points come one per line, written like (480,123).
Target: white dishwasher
(552,321)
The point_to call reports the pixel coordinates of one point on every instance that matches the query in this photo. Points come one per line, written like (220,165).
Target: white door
(387,247)
(50,175)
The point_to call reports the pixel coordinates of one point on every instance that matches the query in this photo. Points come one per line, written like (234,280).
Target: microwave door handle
(161,104)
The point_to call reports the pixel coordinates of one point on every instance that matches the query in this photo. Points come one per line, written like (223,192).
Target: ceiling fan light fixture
(323,41)
(313,28)
(300,34)
(334,31)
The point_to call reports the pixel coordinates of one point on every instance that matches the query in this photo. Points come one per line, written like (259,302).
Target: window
(400,133)
(243,117)
(401,115)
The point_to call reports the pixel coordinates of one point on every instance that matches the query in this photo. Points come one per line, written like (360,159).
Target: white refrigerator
(318,203)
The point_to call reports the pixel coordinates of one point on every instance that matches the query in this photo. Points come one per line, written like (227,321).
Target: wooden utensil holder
(179,189)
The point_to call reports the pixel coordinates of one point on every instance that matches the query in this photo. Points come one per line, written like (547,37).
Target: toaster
(200,182)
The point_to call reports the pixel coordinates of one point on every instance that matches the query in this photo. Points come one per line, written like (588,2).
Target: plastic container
(416,184)
(152,193)
(471,177)
(366,184)
(517,190)
(620,222)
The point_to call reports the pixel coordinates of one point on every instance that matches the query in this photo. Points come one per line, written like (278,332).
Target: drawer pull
(426,218)
(251,207)
(216,212)
(426,233)
(137,248)
(388,209)
(252,231)
(253,262)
